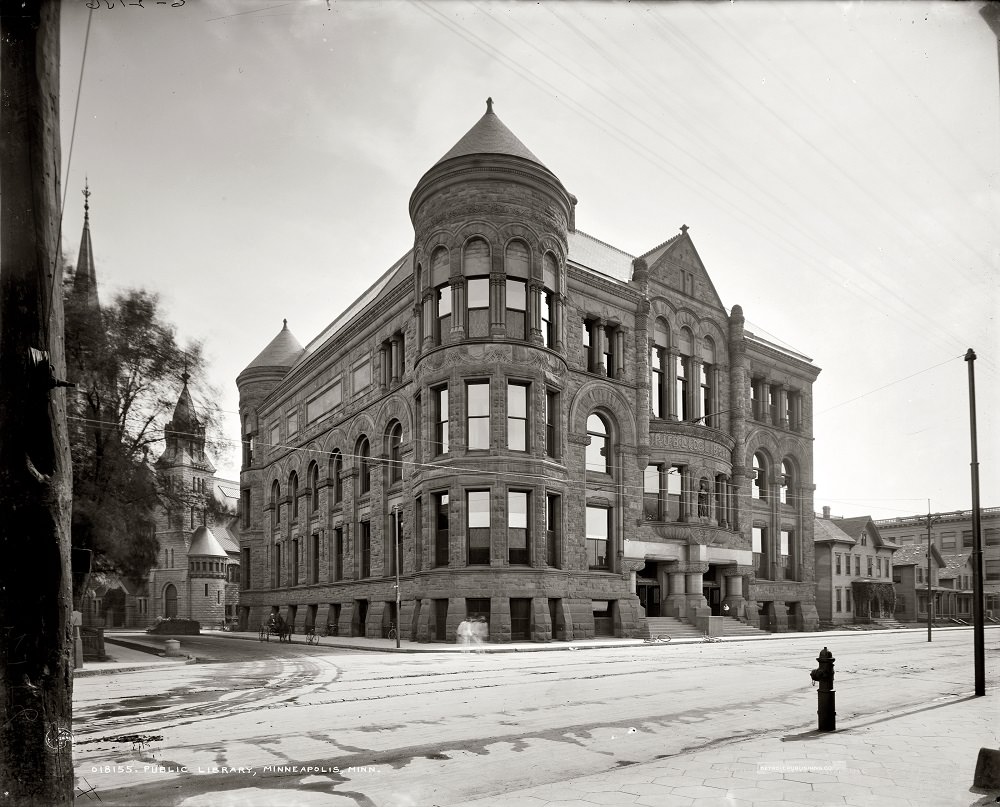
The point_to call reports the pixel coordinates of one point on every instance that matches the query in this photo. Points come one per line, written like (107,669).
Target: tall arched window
(395,452)
(336,486)
(170,601)
(364,453)
(709,404)
(547,304)
(247,442)
(599,449)
(658,359)
(787,482)
(476,268)
(275,507)
(440,282)
(685,348)
(517,267)
(293,492)
(313,483)
(758,488)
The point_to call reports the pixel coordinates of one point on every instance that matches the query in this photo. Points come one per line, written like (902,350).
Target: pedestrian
(480,633)
(465,635)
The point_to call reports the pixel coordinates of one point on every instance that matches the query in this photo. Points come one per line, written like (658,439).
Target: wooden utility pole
(36,685)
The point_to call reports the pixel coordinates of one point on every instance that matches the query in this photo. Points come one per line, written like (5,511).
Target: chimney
(826,511)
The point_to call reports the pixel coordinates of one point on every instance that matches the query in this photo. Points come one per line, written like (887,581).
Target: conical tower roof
(185,418)
(85,276)
(204,543)
(282,352)
(490,136)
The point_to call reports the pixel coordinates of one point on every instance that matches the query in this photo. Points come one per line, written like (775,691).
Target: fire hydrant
(823,674)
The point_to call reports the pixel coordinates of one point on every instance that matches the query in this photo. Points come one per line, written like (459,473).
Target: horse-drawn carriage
(274,625)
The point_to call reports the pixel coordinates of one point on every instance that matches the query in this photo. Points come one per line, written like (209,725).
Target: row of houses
(522,422)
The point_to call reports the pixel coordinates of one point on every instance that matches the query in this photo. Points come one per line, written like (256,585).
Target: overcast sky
(837,164)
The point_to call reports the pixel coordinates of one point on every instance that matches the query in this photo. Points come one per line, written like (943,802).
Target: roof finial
(86,199)
(489,105)
(684,228)
(284,325)
(185,376)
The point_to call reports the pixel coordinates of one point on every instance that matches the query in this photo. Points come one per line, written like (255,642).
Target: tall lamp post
(395,525)
(978,635)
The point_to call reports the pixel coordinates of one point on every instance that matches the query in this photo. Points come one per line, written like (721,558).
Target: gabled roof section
(589,253)
(672,258)
(859,524)
(389,280)
(953,565)
(282,351)
(490,136)
(914,554)
(828,531)
(225,532)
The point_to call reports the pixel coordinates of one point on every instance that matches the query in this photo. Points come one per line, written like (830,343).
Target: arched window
(685,349)
(247,442)
(293,492)
(440,274)
(547,304)
(758,489)
(787,482)
(170,601)
(395,452)
(334,470)
(599,449)
(275,507)
(313,483)
(658,358)
(517,266)
(363,454)
(476,268)
(709,406)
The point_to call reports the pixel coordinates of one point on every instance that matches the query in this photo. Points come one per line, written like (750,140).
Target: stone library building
(522,423)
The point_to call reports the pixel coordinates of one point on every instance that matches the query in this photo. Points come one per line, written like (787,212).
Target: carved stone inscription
(691,445)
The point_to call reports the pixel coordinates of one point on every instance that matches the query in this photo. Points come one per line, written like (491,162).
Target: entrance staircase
(675,628)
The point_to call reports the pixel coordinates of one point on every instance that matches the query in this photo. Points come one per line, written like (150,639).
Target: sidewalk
(125,659)
(922,758)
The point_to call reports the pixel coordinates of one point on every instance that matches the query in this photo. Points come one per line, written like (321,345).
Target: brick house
(853,570)
(565,438)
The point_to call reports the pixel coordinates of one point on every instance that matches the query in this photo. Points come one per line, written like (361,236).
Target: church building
(525,423)
(197,569)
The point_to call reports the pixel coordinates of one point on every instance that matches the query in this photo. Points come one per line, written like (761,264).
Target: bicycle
(311,636)
(391,633)
(708,638)
(661,638)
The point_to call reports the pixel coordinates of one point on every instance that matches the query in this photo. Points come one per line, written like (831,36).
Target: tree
(36,684)
(128,366)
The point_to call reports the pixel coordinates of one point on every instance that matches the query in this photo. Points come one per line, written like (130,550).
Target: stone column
(533,314)
(498,305)
(674,602)
(558,315)
(429,317)
(694,385)
(694,582)
(397,370)
(597,346)
(733,575)
(457,308)
(783,406)
(618,351)
(670,374)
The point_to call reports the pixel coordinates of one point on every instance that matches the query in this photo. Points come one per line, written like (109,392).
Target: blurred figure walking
(480,633)
(465,635)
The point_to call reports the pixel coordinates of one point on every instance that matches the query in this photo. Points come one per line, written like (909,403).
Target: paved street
(319,726)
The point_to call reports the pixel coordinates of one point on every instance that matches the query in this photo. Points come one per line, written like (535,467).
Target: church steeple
(85,277)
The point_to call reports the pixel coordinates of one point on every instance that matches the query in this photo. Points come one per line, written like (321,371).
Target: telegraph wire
(630,143)
(891,383)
